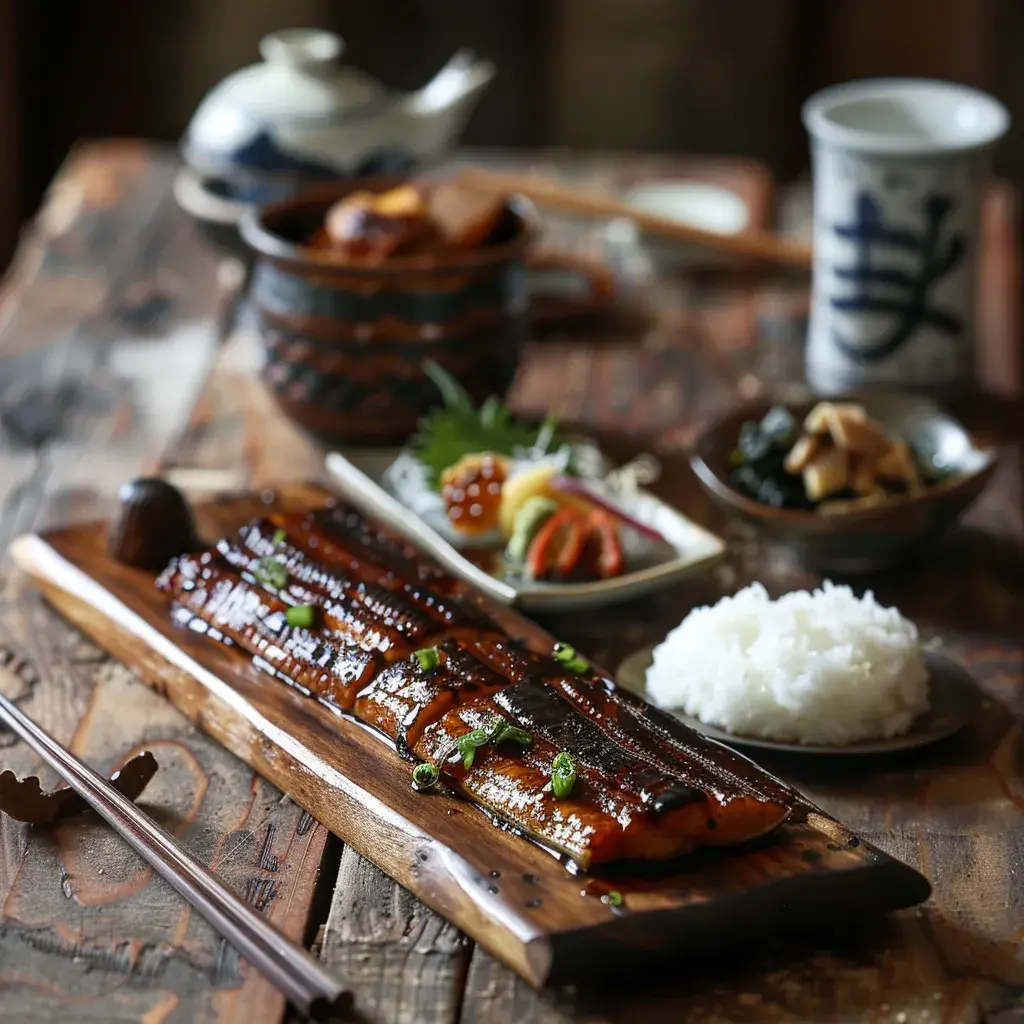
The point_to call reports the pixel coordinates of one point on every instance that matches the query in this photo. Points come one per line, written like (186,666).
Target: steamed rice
(823,667)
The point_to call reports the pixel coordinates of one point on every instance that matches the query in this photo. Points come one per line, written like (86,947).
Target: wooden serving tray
(506,893)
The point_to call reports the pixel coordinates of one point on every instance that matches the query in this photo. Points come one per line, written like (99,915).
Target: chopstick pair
(751,245)
(290,969)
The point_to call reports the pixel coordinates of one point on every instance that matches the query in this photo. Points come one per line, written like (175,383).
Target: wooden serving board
(506,893)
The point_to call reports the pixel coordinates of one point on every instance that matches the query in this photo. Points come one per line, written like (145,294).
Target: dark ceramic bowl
(346,343)
(863,540)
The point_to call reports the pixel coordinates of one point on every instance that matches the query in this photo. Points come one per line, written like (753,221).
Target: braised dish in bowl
(855,484)
(356,286)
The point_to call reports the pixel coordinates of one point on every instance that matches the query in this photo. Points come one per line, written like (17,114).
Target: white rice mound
(824,668)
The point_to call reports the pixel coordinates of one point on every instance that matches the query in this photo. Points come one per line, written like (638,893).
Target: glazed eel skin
(647,787)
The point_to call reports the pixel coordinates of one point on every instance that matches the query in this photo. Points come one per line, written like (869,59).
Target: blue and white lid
(298,89)
(299,115)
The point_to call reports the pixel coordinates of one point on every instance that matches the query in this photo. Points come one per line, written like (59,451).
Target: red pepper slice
(603,544)
(558,546)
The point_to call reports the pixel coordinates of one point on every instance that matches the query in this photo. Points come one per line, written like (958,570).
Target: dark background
(693,76)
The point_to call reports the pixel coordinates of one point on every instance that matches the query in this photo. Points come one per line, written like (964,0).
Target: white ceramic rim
(198,201)
(818,120)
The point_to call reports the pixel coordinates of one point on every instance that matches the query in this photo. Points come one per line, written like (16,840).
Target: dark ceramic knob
(153,524)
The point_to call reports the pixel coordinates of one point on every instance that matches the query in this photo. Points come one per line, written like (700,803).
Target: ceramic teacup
(899,166)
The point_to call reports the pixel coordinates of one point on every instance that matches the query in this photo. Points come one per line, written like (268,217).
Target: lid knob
(301,47)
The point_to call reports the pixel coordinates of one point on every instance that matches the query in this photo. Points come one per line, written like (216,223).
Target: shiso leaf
(457,428)
(453,394)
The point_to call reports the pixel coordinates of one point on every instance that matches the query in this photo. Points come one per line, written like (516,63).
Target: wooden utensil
(287,967)
(544,192)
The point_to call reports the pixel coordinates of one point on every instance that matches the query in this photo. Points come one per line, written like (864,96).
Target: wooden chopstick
(545,192)
(286,966)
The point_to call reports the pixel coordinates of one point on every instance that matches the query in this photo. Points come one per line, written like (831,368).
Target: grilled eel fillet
(647,787)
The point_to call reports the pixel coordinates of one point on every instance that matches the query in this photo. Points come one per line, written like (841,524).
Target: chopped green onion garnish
(563,774)
(302,616)
(429,658)
(498,730)
(566,655)
(467,745)
(425,775)
(508,733)
(613,899)
(279,537)
(271,573)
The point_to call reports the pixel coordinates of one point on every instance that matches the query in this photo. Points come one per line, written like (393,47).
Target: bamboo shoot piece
(826,474)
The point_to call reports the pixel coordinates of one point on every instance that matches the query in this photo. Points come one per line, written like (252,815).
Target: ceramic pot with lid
(301,116)
(299,119)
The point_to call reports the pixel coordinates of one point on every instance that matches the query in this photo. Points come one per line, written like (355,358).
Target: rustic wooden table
(113,362)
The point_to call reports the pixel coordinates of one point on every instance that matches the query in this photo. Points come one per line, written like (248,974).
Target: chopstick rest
(24,799)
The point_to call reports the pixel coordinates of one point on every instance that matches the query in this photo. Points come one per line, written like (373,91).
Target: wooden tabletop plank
(115,295)
(403,962)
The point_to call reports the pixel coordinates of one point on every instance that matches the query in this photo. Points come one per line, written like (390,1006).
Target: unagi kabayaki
(542,743)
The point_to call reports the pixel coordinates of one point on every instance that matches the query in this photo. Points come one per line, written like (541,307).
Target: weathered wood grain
(403,962)
(109,321)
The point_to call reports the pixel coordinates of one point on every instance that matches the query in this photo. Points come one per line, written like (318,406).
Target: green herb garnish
(271,573)
(563,774)
(429,658)
(467,746)
(498,730)
(425,776)
(458,428)
(511,733)
(613,898)
(302,616)
(279,537)
(566,655)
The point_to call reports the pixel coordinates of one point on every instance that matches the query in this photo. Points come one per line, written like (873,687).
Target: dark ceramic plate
(955,701)
(862,540)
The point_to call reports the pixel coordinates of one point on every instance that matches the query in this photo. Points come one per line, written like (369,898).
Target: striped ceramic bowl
(345,343)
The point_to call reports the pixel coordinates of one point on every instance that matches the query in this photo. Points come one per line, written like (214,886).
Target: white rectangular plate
(358,477)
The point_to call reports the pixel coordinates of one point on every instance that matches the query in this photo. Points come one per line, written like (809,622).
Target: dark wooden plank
(11,106)
(676,75)
(114,292)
